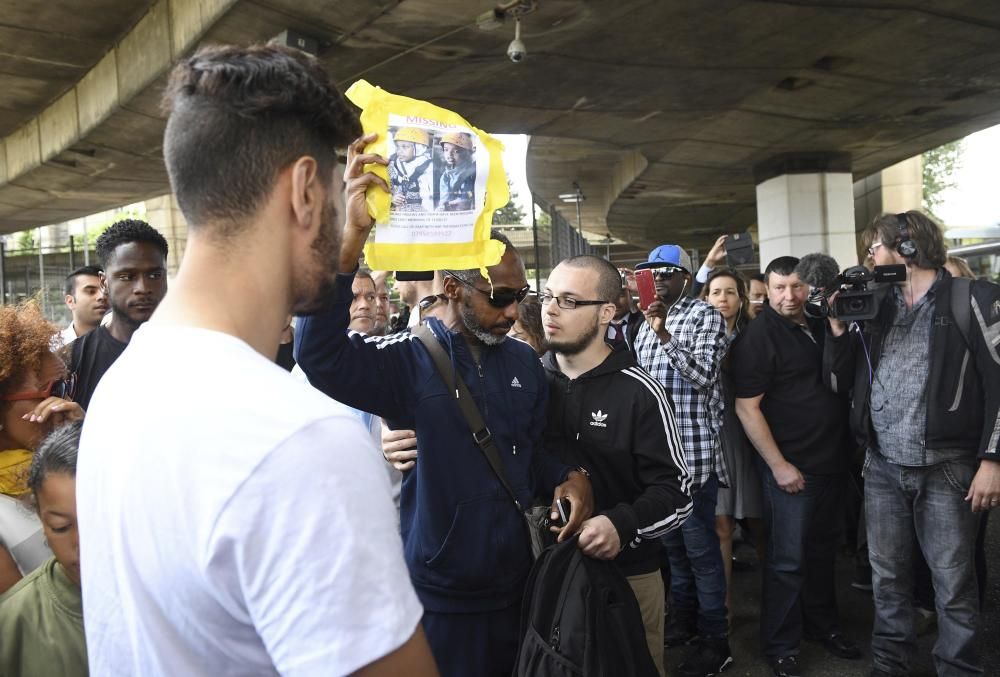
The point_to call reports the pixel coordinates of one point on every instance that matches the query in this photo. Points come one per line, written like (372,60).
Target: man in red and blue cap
(682,343)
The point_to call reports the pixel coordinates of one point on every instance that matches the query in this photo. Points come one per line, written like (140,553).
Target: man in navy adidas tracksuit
(608,415)
(464,541)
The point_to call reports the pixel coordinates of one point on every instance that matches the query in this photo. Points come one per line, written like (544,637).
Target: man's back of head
(250,147)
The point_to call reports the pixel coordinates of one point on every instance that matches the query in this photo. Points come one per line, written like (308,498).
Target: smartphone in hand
(647,287)
(563,506)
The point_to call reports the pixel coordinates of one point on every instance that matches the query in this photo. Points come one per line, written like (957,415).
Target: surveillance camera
(516,51)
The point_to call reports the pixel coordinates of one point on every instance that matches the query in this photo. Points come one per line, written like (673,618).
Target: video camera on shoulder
(856,301)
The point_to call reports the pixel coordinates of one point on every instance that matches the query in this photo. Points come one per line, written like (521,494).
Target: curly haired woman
(34,398)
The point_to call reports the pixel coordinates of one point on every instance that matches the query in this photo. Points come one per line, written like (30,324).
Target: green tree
(939,167)
(511,214)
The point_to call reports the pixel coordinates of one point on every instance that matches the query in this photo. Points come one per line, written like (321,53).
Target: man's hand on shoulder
(399,448)
(984,493)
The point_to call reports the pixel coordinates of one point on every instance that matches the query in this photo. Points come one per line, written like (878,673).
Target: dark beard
(317,294)
(575,347)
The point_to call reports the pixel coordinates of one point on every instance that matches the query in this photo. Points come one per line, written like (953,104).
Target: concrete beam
(97,107)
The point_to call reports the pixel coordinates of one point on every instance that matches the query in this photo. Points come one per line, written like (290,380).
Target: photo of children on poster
(437,177)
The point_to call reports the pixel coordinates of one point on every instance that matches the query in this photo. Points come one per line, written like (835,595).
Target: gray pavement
(856,620)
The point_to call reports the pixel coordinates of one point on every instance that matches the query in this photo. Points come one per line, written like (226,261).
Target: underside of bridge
(661,111)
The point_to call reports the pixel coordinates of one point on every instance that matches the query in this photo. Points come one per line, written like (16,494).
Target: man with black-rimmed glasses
(464,541)
(610,416)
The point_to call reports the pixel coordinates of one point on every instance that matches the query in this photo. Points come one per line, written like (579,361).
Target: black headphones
(906,247)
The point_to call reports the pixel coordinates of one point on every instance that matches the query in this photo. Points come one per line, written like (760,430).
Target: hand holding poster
(446,179)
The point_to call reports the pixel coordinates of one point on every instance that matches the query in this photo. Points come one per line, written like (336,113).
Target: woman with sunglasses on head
(34,398)
(726,290)
(41,618)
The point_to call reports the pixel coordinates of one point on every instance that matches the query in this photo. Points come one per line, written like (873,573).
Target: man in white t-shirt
(232,520)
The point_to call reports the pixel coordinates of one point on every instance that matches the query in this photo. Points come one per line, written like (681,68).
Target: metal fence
(30,271)
(545,241)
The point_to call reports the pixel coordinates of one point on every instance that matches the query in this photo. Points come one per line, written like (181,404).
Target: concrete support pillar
(163,214)
(895,189)
(805,204)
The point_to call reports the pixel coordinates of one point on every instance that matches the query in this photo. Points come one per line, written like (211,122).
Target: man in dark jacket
(926,390)
(611,417)
(464,542)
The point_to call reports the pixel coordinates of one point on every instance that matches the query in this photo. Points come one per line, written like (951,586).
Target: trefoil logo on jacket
(599,419)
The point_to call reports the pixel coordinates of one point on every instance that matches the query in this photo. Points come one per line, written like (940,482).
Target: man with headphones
(681,343)
(925,377)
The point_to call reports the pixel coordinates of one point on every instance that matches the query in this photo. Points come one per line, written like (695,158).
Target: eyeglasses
(566,304)
(499,298)
(873,247)
(60,387)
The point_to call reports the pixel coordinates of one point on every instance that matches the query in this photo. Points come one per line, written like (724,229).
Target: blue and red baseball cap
(666,256)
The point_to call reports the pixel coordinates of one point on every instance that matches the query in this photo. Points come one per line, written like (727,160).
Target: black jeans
(798,580)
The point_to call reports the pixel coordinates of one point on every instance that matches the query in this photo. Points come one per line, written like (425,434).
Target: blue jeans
(697,579)
(798,582)
(911,507)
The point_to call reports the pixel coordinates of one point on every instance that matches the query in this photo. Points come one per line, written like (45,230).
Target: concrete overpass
(672,115)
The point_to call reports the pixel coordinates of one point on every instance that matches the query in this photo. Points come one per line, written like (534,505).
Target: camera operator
(926,389)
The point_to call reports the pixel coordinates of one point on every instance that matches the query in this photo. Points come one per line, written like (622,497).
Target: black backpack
(580,618)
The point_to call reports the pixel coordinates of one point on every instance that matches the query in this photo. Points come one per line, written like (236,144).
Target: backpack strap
(470,412)
(961,306)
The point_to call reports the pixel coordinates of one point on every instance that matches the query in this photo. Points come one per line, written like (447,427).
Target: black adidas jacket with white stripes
(618,423)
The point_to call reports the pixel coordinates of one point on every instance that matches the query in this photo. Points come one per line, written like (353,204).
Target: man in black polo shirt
(799,428)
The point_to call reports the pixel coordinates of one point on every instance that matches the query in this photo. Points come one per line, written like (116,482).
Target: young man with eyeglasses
(681,344)
(608,415)
(464,540)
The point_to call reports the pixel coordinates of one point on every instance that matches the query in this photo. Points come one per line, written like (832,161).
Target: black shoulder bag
(536,517)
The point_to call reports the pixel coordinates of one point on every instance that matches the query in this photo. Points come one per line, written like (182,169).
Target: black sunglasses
(500,298)
(665,273)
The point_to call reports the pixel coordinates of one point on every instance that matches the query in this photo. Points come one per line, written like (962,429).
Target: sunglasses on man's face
(665,273)
(501,298)
(60,387)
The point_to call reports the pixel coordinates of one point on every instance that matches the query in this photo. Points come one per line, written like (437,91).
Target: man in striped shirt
(609,416)
(681,344)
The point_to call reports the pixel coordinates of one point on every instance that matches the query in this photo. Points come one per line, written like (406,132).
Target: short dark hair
(783,265)
(609,280)
(82,270)
(759,277)
(925,233)
(472,274)
(125,231)
(238,116)
(55,454)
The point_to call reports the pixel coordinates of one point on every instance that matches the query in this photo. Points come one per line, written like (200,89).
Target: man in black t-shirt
(799,428)
(134,257)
